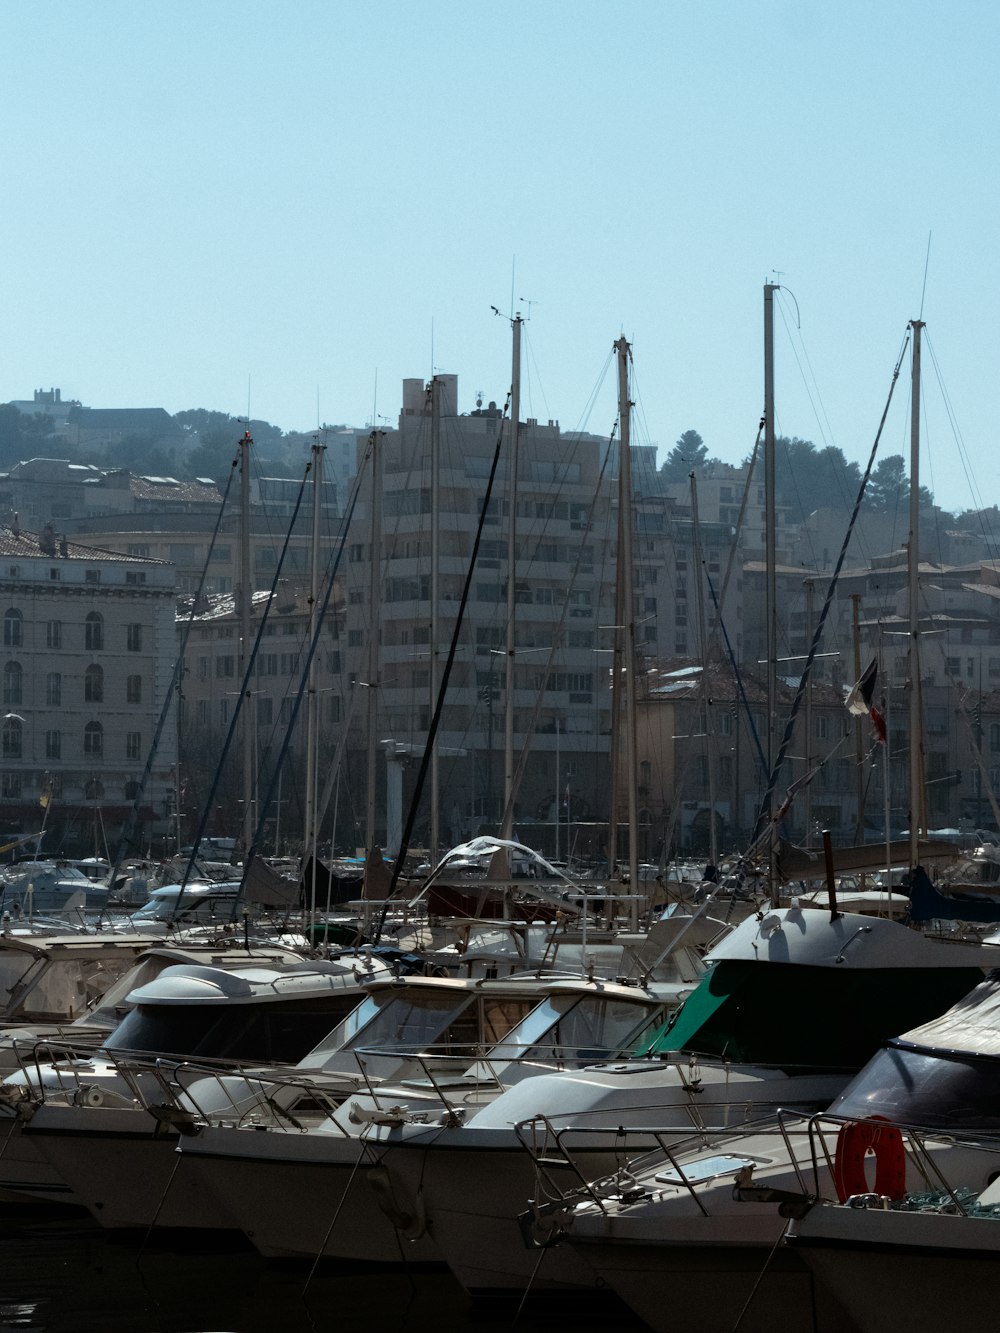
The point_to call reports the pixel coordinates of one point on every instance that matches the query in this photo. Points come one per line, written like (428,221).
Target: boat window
(68,986)
(359,1016)
(500,1014)
(807,1017)
(928,1089)
(530,1029)
(13,969)
(112,1006)
(591,1029)
(276,1032)
(413,1019)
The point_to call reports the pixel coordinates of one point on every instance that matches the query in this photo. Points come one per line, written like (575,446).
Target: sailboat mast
(699,586)
(507,827)
(625,617)
(312,701)
(375,614)
(435,664)
(245,608)
(913,570)
(770,539)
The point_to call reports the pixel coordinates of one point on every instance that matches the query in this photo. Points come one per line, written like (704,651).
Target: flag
(44,799)
(859,701)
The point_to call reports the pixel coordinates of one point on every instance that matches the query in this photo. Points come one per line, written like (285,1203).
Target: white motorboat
(300,1194)
(765,1029)
(65,1103)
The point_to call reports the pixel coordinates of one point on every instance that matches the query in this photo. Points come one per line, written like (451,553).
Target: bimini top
(806,936)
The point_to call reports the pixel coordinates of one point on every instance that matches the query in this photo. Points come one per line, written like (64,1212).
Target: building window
(133,690)
(55,574)
(93,788)
(12,683)
(265,710)
(138,548)
(94,632)
(133,745)
(11,789)
(131,789)
(132,576)
(93,739)
(133,639)
(53,689)
(202,712)
(53,745)
(953,666)
(93,685)
(224,666)
(91,576)
(13,628)
(53,634)
(12,738)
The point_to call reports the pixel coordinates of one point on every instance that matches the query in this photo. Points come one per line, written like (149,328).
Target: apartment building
(88,650)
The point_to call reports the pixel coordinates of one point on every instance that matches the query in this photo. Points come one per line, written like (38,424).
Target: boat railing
(563,1182)
(813,1155)
(187,1093)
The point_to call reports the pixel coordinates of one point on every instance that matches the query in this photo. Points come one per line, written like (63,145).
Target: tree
(807,478)
(688,453)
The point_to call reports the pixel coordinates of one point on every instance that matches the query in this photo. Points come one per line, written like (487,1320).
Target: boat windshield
(408,1019)
(799,1017)
(423,1020)
(67,988)
(927,1088)
(580,1028)
(278,1032)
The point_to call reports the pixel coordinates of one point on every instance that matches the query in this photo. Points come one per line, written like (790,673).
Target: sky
(288,208)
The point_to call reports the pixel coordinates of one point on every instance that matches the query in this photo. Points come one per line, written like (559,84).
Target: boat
(764,1029)
(304,1185)
(65,1102)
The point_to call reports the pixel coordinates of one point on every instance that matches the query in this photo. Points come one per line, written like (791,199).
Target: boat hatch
(705,1168)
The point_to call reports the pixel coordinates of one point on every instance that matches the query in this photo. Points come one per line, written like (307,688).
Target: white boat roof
(972,1025)
(808,937)
(197,984)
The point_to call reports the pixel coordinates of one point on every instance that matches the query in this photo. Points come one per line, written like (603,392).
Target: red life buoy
(854,1142)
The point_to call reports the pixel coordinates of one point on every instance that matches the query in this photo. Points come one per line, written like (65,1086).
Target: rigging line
(314,641)
(736,672)
(522,759)
(730,563)
(786,740)
(927,264)
(173,688)
(963,453)
(242,697)
(805,381)
(445,677)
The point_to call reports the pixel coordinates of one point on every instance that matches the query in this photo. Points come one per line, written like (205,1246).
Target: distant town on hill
(199,443)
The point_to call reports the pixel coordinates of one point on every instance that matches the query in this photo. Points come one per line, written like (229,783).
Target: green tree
(807,478)
(688,453)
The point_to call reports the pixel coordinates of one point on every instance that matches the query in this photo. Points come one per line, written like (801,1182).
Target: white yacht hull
(903,1270)
(304,1195)
(122,1165)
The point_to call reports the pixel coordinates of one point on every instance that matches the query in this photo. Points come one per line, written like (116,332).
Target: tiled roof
(24,544)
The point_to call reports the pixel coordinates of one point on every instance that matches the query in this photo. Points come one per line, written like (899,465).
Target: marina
(499,668)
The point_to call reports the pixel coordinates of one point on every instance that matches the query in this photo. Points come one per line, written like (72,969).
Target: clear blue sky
(201,197)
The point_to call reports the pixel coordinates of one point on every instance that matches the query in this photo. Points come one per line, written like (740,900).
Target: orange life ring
(854,1142)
